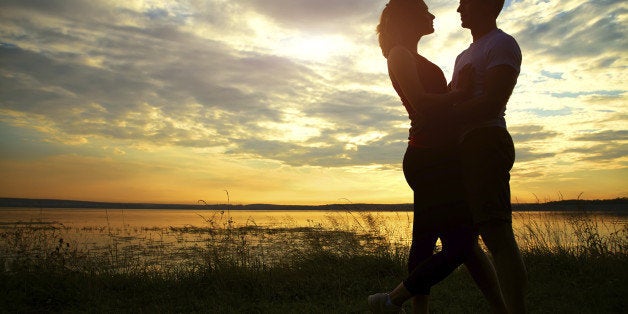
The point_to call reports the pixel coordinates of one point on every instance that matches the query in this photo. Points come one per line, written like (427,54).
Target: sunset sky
(285,101)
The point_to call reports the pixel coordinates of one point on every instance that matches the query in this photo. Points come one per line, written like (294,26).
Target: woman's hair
(396,19)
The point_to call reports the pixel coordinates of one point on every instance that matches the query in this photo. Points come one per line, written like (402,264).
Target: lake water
(179,234)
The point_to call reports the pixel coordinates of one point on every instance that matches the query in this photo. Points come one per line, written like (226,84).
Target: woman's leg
(423,241)
(457,246)
(422,248)
(435,178)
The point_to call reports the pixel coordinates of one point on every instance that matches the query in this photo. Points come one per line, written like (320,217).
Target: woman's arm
(402,68)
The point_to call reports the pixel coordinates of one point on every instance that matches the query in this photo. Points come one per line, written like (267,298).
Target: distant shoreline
(619,204)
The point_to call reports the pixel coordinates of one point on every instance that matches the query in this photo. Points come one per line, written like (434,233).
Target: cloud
(604,136)
(307,15)
(157,85)
(602,152)
(530,154)
(298,83)
(527,133)
(572,28)
(151,81)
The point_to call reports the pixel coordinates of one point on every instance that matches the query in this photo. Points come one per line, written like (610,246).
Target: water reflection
(157,239)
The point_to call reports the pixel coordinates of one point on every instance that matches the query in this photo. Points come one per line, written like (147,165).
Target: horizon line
(202,203)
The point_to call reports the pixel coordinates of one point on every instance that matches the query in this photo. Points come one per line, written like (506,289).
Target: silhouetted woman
(429,164)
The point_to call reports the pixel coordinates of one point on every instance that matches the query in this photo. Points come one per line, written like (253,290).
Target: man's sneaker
(377,304)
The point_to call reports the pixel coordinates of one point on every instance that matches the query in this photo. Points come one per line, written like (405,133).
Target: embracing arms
(402,69)
(499,83)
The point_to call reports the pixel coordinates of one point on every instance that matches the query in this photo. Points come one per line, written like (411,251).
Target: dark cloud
(532,174)
(44,85)
(604,136)
(590,29)
(73,9)
(381,152)
(604,152)
(524,154)
(528,133)
(168,79)
(358,110)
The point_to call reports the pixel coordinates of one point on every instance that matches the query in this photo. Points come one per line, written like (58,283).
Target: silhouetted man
(487,151)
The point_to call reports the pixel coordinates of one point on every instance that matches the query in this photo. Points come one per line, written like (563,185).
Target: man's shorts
(487,155)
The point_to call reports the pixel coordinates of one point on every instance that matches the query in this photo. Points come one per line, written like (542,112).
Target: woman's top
(435,128)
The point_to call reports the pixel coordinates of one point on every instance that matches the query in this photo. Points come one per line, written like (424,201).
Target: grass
(313,269)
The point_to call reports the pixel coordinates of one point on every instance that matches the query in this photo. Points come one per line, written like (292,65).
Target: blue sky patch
(551,113)
(611,93)
(8,45)
(554,75)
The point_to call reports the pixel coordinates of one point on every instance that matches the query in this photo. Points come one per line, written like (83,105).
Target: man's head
(474,12)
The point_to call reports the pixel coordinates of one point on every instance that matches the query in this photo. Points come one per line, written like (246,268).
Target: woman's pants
(439,212)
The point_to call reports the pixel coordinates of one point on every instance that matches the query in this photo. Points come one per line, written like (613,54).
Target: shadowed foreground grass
(319,271)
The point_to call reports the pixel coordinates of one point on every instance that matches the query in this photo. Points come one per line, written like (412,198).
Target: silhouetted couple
(459,155)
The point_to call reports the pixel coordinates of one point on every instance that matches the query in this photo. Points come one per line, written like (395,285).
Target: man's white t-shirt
(493,49)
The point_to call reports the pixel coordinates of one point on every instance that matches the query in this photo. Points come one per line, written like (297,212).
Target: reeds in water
(220,241)
(324,266)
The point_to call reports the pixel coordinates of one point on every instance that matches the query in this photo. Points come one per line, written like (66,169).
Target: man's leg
(500,241)
(421,304)
(487,156)
(485,277)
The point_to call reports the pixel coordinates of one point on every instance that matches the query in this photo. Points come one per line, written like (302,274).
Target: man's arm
(499,83)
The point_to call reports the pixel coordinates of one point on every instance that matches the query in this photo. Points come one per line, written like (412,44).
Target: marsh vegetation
(327,265)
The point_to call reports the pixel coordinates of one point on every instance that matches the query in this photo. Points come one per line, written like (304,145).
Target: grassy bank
(291,270)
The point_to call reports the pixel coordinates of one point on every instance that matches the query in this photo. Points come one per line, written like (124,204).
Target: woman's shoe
(378,303)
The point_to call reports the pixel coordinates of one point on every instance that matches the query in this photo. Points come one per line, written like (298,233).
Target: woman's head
(403,21)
